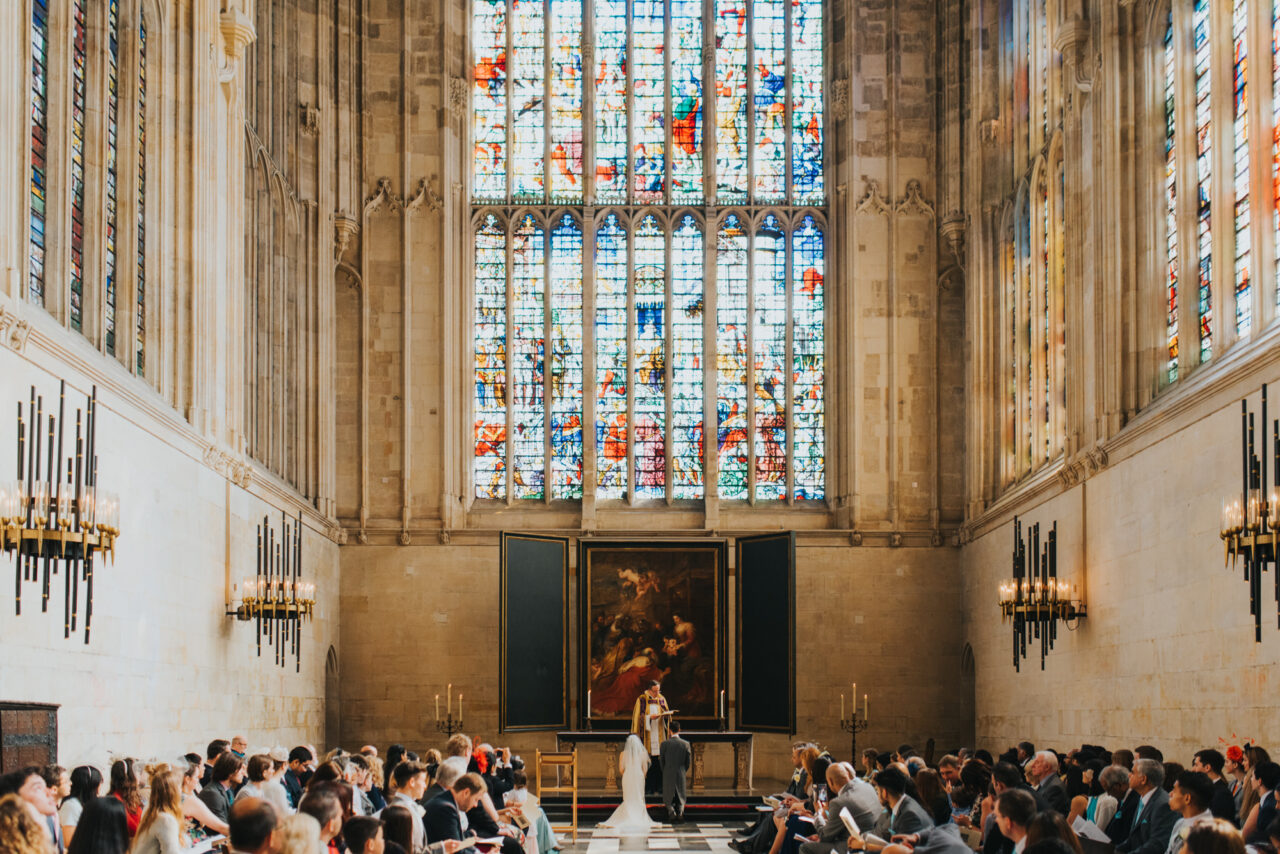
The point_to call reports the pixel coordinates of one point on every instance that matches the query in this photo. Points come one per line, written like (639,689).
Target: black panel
(766,633)
(535,632)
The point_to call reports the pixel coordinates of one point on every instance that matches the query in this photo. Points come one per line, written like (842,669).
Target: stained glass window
(731,357)
(1275,138)
(566,358)
(1240,111)
(112,176)
(659,278)
(1171,198)
(1204,171)
(141,201)
(39,143)
(77,163)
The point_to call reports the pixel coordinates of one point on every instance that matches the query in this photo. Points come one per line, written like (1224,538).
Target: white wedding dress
(631,817)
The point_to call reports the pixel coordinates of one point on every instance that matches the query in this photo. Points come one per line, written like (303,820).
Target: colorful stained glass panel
(1171,201)
(686,359)
(77,163)
(528,284)
(650,361)
(39,145)
(808,362)
(1240,114)
(806,102)
(732,433)
(490,402)
(648,99)
(1204,172)
(769,97)
(566,359)
(489,100)
(769,355)
(611,359)
(566,100)
(686,101)
(611,101)
(112,177)
(732,135)
(528,97)
(140,292)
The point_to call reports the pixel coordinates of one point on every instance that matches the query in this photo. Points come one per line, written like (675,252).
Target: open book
(868,838)
(773,803)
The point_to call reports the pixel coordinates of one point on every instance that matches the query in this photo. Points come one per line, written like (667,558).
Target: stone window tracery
(605,337)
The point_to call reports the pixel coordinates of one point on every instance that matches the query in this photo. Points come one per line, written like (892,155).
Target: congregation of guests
(1025,801)
(278,802)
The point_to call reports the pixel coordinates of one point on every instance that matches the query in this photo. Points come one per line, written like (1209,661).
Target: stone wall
(417,618)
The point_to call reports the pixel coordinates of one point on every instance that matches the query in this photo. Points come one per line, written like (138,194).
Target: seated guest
(975,780)
(1216,837)
(932,840)
(1146,751)
(759,837)
(374,790)
(239,744)
(1024,753)
(1014,810)
(518,797)
(216,748)
(297,834)
(102,829)
(299,772)
(322,804)
(124,788)
(326,772)
(1192,793)
(20,831)
(901,814)
(1171,772)
(410,782)
(253,824)
(29,785)
(395,754)
(201,820)
(932,796)
(857,796)
(446,813)
(357,775)
(1153,822)
(1253,757)
(397,829)
(256,771)
(1123,757)
(446,776)
(1234,771)
(1263,813)
(162,828)
(363,835)
(1210,763)
(869,761)
(85,782)
(949,770)
(1113,782)
(228,772)
(273,791)
(1042,773)
(1048,825)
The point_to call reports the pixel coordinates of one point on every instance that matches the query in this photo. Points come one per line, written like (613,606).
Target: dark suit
(1223,805)
(218,799)
(1154,827)
(1122,822)
(995,842)
(674,754)
(1054,794)
(910,818)
(292,787)
(483,826)
(442,819)
(860,799)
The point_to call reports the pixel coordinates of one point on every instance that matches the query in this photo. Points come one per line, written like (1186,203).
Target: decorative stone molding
(1072,41)
(309,119)
(443,537)
(840,98)
(458,96)
(337,534)
(237,31)
(405,539)
(457,188)
(989,132)
(895,539)
(237,471)
(913,203)
(855,539)
(964,535)
(383,198)
(871,202)
(14,331)
(935,539)
(953,228)
(345,228)
(424,195)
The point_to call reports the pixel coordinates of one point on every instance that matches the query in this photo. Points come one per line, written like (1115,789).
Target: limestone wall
(416,618)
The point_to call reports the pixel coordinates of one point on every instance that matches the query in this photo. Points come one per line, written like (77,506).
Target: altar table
(743,752)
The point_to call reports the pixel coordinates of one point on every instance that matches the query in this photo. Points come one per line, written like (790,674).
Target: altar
(743,753)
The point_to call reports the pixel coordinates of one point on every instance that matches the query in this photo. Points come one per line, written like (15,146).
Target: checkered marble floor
(709,836)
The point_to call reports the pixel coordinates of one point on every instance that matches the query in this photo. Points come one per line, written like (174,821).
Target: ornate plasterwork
(424,195)
(383,198)
(913,203)
(1084,466)
(458,96)
(840,98)
(14,331)
(235,470)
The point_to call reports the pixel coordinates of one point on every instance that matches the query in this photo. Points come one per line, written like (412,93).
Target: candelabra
(54,512)
(1034,598)
(276,598)
(853,725)
(1251,523)
(449,725)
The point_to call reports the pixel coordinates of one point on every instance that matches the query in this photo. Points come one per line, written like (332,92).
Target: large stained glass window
(112,176)
(140,327)
(1171,199)
(1200,16)
(39,144)
(1240,127)
(645,319)
(77,162)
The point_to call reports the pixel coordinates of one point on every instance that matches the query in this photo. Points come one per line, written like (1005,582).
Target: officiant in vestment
(652,726)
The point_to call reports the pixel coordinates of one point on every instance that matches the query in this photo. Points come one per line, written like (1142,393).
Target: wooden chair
(568,763)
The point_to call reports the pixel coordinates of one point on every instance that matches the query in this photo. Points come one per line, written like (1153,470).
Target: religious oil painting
(652,611)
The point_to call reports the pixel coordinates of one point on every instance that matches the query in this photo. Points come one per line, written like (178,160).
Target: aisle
(711,836)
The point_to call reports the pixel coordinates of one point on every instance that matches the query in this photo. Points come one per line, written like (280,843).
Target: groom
(675,764)
(651,726)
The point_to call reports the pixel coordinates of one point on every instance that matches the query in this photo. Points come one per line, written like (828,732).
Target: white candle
(588,702)
(842,707)
(437,707)
(459,707)
(864,707)
(448,698)
(722,703)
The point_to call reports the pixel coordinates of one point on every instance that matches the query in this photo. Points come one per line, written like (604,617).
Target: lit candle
(853,693)
(842,707)
(588,702)
(459,707)
(448,698)
(437,707)
(722,703)
(864,707)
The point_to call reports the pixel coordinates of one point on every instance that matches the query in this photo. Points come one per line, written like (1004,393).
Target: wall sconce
(1251,523)
(275,598)
(1035,599)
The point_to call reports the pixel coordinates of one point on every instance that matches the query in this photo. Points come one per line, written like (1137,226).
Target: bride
(631,815)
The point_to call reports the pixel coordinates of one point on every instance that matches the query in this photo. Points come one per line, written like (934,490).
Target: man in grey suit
(1153,824)
(674,755)
(1042,772)
(858,797)
(901,814)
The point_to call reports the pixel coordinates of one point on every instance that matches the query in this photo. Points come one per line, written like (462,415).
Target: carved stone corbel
(458,97)
(871,202)
(913,203)
(345,228)
(895,539)
(1072,41)
(237,471)
(840,98)
(14,331)
(383,198)
(237,31)
(425,195)
(953,228)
